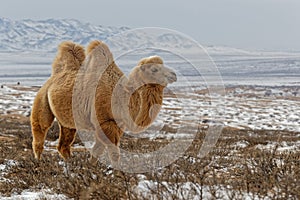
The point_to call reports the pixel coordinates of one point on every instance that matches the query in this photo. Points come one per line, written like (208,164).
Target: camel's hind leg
(66,139)
(41,120)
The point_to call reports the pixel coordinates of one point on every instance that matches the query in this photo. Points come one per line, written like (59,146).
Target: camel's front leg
(109,134)
(97,151)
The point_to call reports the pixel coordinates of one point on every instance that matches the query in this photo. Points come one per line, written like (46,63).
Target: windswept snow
(244,107)
(34,195)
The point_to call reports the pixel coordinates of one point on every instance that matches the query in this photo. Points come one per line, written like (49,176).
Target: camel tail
(70,56)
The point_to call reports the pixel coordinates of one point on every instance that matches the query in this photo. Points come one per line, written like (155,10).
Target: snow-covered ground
(16,100)
(29,195)
(244,107)
(186,190)
(26,194)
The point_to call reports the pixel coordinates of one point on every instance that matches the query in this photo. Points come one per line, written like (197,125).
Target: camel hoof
(37,150)
(115,164)
(93,160)
(115,160)
(37,155)
(64,152)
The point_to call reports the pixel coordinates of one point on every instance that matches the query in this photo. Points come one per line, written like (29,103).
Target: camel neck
(145,102)
(151,96)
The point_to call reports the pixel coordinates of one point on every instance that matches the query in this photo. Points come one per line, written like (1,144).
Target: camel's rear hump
(100,50)
(93,45)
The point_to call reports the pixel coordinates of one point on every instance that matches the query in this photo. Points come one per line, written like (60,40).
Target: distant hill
(45,35)
(30,35)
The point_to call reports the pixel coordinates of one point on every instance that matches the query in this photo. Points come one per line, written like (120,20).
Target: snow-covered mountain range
(45,35)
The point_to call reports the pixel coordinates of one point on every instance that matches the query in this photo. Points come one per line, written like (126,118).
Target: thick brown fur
(144,89)
(69,55)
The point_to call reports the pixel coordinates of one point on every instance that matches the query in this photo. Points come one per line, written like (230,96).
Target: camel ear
(143,67)
(142,64)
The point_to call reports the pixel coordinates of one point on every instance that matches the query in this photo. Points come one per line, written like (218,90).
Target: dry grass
(244,169)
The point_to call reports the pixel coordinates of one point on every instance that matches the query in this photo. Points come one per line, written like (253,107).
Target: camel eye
(154,70)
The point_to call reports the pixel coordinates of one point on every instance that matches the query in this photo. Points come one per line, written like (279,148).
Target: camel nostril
(172,77)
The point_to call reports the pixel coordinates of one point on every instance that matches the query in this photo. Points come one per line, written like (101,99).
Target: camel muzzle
(172,77)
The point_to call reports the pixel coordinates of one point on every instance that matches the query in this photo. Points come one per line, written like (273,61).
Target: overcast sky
(250,24)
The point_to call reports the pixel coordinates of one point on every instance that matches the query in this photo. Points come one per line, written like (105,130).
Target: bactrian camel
(118,103)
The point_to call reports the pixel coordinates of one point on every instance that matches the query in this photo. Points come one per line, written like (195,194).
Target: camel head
(152,70)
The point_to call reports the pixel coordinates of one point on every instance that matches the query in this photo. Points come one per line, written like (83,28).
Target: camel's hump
(100,50)
(72,49)
(69,56)
(94,44)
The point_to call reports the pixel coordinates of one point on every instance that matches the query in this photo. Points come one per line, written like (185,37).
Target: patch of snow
(2,167)
(5,167)
(241,144)
(186,190)
(283,146)
(34,195)
(11,163)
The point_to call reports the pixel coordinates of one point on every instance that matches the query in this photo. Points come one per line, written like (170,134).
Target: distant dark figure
(18,83)
(295,93)
(1,86)
(268,93)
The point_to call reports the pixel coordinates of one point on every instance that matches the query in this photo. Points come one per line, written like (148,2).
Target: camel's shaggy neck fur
(151,96)
(145,102)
